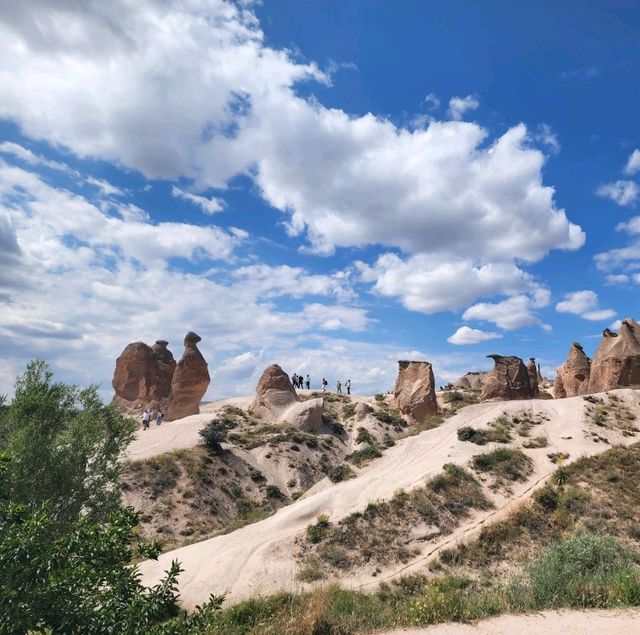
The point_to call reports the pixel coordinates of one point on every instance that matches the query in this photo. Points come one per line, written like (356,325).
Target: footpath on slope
(258,558)
(617,622)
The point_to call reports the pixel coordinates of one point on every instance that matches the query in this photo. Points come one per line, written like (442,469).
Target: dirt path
(547,623)
(257,559)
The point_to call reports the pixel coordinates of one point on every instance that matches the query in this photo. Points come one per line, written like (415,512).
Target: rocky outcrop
(190,380)
(415,390)
(509,379)
(572,378)
(362,410)
(616,363)
(148,377)
(532,370)
(473,380)
(276,401)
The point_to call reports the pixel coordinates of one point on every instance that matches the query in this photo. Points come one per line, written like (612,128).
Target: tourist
(145,419)
(294,379)
(159,417)
(339,387)
(324,384)
(308,381)
(348,385)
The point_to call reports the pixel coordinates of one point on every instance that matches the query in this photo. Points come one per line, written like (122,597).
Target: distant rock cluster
(616,364)
(149,377)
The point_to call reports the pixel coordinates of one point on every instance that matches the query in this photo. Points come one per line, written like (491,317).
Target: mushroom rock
(138,380)
(616,363)
(532,369)
(541,379)
(509,379)
(189,382)
(277,402)
(473,380)
(572,378)
(415,390)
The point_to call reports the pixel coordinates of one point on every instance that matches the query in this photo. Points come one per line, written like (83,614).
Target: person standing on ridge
(308,381)
(339,387)
(324,384)
(294,380)
(159,417)
(348,385)
(145,419)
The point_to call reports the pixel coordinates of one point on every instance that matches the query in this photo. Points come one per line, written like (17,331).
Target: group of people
(347,385)
(147,418)
(299,381)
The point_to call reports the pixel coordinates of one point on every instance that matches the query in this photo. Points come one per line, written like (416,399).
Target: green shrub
(212,436)
(317,531)
(504,463)
(338,473)
(363,456)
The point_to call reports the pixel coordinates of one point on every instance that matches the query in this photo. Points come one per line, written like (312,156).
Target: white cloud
(226,104)
(627,258)
(458,106)
(512,313)
(208,205)
(548,137)
(432,100)
(615,326)
(106,188)
(633,163)
(584,303)
(616,279)
(622,192)
(467,335)
(29,157)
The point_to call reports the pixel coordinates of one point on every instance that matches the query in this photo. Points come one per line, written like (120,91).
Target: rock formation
(190,380)
(276,401)
(572,378)
(616,363)
(148,377)
(415,390)
(532,370)
(509,379)
(473,380)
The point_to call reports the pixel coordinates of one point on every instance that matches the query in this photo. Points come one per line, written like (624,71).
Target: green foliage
(364,455)
(66,444)
(213,434)
(505,464)
(317,531)
(338,473)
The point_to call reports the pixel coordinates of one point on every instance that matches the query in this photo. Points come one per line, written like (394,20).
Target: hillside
(261,558)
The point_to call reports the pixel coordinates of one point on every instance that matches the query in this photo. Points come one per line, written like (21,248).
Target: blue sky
(327,185)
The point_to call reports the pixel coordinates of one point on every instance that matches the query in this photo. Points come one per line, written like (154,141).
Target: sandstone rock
(509,379)
(276,401)
(415,391)
(190,381)
(165,368)
(616,363)
(473,380)
(532,369)
(572,378)
(362,410)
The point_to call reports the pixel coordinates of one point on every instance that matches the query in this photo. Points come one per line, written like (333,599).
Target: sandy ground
(257,559)
(547,622)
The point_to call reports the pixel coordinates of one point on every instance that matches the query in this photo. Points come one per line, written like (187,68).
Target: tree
(65,445)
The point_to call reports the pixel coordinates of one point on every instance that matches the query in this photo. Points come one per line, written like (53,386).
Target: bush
(338,473)
(585,571)
(504,463)
(316,532)
(363,456)
(212,436)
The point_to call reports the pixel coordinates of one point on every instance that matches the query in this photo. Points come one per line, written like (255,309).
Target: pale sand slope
(548,622)
(183,433)
(257,559)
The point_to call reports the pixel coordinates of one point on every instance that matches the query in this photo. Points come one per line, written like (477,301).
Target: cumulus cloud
(227,104)
(584,303)
(633,163)
(432,100)
(458,106)
(616,279)
(207,205)
(467,335)
(512,313)
(626,258)
(622,192)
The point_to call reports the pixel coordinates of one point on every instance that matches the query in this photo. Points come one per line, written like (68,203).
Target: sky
(331,186)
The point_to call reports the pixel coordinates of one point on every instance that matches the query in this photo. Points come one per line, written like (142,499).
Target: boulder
(415,390)
(616,363)
(473,380)
(190,380)
(532,370)
(572,378)
(509,379)
(276,401)
(362,410)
